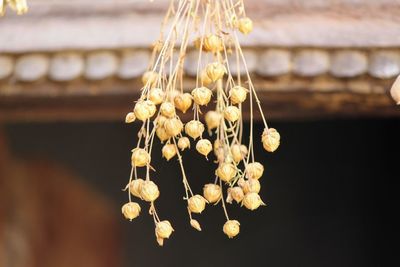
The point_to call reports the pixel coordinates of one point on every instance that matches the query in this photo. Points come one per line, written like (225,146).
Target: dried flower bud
(169,151)
(254,170)
(150,78)
(235,193)
(213,43)
(395,91)
(226,172)
(194,129)
(195,224)
(164,229)
(215,71)
(231,228)
(19,6)
(156,95)
(144,109)
(167,109)
(149,191)
(162,134)
(131,210)
(130,117)
(213,119)
(173,126)
(204,147)
(135,187)
(271,139)
(252,201)
(183,143)
(238,152)
(201,95)
(245,25)
(140,157)
(238,94)
(212,192)
(219,150)
(232,113)
(160,241)
(160,120)
(183,102)
(251,186)
(196,204)
(198,44)
(205,80)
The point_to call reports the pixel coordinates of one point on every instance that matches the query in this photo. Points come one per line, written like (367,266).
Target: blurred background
(70,71)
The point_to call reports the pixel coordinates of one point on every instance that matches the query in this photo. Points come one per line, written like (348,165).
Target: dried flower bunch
(212,26)
(19,6)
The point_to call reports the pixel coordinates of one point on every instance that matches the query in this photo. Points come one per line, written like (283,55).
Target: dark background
(329,192)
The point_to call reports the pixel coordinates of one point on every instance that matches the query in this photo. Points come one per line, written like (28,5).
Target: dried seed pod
(197,44)
(238,94)
(232,113)
(251,186)
(150,78)
(212,192)
(167,109)
(254,170)
(19,6)
(164,229)
(235,193)
(231,228)
(213,43)
(395,91)
(219,150)
(169,151)
(205,80)
(194,129)
(204,147)
(135,187)
(183,102)
(160,120)
(238,152)
(195,224)
(160,241)
(245,25)
(144,109)
(173,126)
(130,117)
(156,95)
(140,157)
(271,139)
(252,201)
(149,191)
(201,95)
(226,172)
(215,71)
(213,119)
(183,143)
(131,210)
(196,204)
(162,134)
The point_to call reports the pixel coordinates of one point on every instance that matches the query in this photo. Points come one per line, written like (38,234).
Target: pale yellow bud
(167,109)
(213,43)
(156,95)
(164,229)
(235,193)
(160,241)
(271,139)
(226,172)
(183,143)
(254,170)
(140,157)
(173,126)
(20,6)
(150,78)
(213,119)
(232,113)
(205,80)
(204,147)
(198,44)
(183,102)
(251,186)
(160,120)
(169,151)
(395,91)
(196,204)
(149,191)
(215,71)
(212,192)
(219,150)
(195,224)
(231,228)
(238,152)
(130,117)
(194,129)
(201,95)
(131,210)
(135,187)
(162,134)
(144,109)
(252,201)
(245,25)
(238,94)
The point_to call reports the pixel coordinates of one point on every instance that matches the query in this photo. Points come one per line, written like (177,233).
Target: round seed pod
(235,193)
(205,80)
(231,228)
(160,120)
(238,94)
(144,109)
(130,117)
(194,129)
(140,157)
(169,151)
(219,150)
(238,152)
(215,71)
(213,119)
(251,186)
(135,187)
(252,201)
(271,139)
(204,147)
(226,172)
(150,78)
(195,224)
(254,170)
(173,126)
(156,95)
(201,95)
(213,43)
(183,143)
(149,191)
(162,134)
(164,229)
(131,210)
(232,113)
(245,25)
(167,109)
(196,204)
(197,44)
(212,192)
(183,102)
